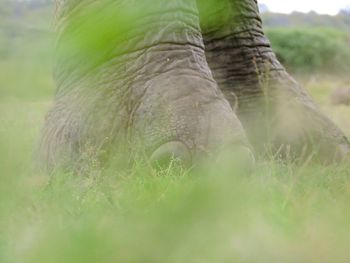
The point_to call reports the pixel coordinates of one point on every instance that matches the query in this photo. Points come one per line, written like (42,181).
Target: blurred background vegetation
(311,43)
(26,42)
(280,213)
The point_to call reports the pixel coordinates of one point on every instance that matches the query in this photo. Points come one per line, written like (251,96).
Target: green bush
(307,50)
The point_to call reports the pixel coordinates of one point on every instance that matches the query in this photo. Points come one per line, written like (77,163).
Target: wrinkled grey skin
(272,106)
(147,89)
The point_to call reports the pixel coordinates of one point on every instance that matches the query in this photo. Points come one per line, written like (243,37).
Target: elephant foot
(143,88)
(279,116)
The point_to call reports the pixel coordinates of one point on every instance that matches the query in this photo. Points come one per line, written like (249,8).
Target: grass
(280,213)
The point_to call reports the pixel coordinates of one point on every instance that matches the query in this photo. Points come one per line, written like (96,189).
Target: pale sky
(320,6)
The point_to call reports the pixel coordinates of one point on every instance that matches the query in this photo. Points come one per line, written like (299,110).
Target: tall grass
(280,213)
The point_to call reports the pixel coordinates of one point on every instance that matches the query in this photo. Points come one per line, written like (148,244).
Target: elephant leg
(132,75)
(274,109)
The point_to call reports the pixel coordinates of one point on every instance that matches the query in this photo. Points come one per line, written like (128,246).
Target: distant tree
(311,49)
(311,19)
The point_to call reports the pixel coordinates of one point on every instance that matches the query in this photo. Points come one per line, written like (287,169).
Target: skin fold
(132,78)
(278,115)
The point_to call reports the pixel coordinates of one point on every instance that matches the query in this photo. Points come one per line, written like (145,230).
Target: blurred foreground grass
(280,213)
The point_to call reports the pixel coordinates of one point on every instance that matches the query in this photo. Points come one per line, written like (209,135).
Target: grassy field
(280,213)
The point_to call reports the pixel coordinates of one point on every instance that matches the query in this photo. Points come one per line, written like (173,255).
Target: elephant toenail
(171,152)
